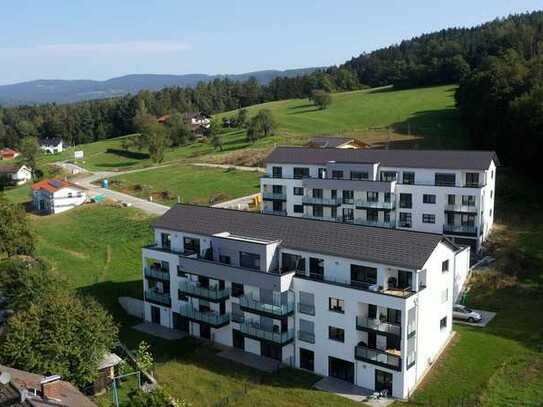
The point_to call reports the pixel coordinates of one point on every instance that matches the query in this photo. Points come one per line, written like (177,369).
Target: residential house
(51,145)
(371,306)
(336,142)
(8,154)
(52,196)
(15,174)
(448,192)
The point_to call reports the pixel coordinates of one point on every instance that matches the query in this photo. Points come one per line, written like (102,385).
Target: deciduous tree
(16,236)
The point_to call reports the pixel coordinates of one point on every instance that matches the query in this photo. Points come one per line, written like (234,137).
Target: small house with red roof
(8,154)
(57,195)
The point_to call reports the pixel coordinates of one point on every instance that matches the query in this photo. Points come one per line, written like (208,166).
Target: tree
(261,125)
(30,151)
(59,334)
(16,237)
(26,128)
(321,98)
(144,357)
(153,136)
(179,131)
(242,118)
(155,398)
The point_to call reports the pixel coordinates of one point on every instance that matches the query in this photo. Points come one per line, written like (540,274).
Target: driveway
(486,317)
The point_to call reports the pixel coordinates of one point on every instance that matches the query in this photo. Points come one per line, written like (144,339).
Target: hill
(68,91)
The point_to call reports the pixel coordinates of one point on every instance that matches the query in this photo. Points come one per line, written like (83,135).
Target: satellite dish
(5,378)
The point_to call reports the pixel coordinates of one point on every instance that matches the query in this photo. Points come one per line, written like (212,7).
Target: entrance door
(307,359)
(271,350)
(238,340)
(180,323)
(341,369)
(383,381)
(155,315)
(205,331)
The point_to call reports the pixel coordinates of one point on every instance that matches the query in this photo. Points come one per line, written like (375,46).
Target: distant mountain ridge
(68,91)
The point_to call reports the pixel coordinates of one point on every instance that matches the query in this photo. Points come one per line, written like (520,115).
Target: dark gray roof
(50,141)
(380,245)
(440,159)
(329,142)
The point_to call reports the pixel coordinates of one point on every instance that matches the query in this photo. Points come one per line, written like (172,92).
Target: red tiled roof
(54,185)
(8,151)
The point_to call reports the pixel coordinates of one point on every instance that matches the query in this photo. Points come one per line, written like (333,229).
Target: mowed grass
(193,184)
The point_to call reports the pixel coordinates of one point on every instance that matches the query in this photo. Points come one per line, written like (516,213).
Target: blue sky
(98,39)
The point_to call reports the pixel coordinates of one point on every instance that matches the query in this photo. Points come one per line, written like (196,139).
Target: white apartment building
(372,306)
(446,192)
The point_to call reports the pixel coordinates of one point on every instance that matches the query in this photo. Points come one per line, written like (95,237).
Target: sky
(99,39)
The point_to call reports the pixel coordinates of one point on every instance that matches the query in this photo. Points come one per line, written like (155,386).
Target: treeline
(100,119)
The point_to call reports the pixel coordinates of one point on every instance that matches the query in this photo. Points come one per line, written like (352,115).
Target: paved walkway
(350,391)
(486,317)
(262,363)
(159,331)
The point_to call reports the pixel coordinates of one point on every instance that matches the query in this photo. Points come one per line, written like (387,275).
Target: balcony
(274,195)
(468,230)
(378,357)
(208,317)
(159,274)
(364,203)
(308,337)
(364,324)
(158,298)
(276,309)
(306,309)
(256,331)
(381,224)
(326,218)
(270,211)
(212,294)
(461,208)
(309,200)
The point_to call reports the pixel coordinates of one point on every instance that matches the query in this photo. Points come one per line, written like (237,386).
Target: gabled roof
(11,169)
(373,244)
(50,141)
(54,185)
(438,159)
(8,151)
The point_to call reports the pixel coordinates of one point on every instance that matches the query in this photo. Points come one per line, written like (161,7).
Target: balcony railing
(367,222)
(308,337)
(270,211)
(208,317)
(377,356)
(257,331)
(160,298)
(306,309)
(377,325)
(464,229)
(461,208)
(274,195)
(204,292)
(310,200)
(364,203)
(327,218)
(160,274)
(249,302)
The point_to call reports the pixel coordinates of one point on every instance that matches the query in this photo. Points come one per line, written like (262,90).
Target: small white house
(16,174)
(56,195)
(52,145)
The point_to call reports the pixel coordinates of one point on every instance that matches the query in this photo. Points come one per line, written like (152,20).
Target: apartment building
(371,306)
(445,192)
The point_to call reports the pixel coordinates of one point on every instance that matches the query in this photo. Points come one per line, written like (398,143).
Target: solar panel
(56,183)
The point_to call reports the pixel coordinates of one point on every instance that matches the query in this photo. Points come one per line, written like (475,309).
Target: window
(249,260)
(191,245)
(443,323)
(333,212)
(321,173)
(387,196)
(337,174)
(298,191)
(472,179)
(237,290)
(348,215)
(277,172)
(166,241)
(428,218)
(373,196)
(363,276)
(336,334)
(491,194)
(277,189)
(388,176)
(70,195)
(372,215)
(405,279)
(318,211)
(348,197)
(336,305)
(444,295)
(468,200)
(445,266)
(491,174)
(405,220)
(307,359)
(316,268)
(406,201)
(298,209)
(358,175)
(317,193)
(429,198)
(301,172)
(445,179)
(277,205)
(291,262)
(181,296)
(386,217)
(225,259)
(451,199)
(408,177)
(333,193)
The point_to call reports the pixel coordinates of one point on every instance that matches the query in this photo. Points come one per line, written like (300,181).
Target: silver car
(466,314)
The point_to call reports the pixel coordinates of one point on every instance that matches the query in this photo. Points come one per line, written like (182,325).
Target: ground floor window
(307,359)
(341,369)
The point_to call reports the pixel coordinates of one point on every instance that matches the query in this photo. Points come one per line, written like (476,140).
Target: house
(448,192)
(8,154)
(197,119)
(371,306)
(336,142)
(56,195)
(51,145)
(15,174)
(23,389)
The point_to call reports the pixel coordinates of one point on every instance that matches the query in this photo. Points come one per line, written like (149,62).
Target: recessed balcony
(364,203)
(274,196)
(310,200)
(387,358)
(157,273)
(158,297)
(274,309)
(365,324)
(467,230)
(257,331)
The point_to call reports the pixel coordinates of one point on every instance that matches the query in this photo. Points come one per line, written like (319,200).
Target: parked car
(463,313)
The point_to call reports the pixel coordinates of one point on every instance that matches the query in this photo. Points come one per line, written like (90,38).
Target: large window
(318,211)
(408,177)
(301,172)
(358,175)
(451,199)
(317,193)
(277,172)
(372,196)
(307,359)
(249,260)
(292,262)
(321,173)
(348,215)
(348,197)
(316,268)
(405,220)
(336,305)
(298,209)
(298,191)
(468,200)
(472,179)
(166,241)
(363,276)
(372,215)
(191,245)
(445,179)
(428,218)
(336,334)
(406,201)
(388,176)
(337,174)
(429,199)
(237,290)
(405,279)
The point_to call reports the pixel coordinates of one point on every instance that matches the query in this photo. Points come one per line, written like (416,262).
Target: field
(197,185)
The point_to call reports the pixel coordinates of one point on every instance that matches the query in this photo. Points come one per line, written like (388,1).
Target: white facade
(456,203)
(19,175)
(379,328)
(52,146)
(59,201)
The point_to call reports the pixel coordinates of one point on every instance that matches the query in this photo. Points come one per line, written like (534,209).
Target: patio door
(383,381)
(341,369)
(155,315)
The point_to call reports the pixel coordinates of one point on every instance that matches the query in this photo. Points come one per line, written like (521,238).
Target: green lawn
(197,185)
